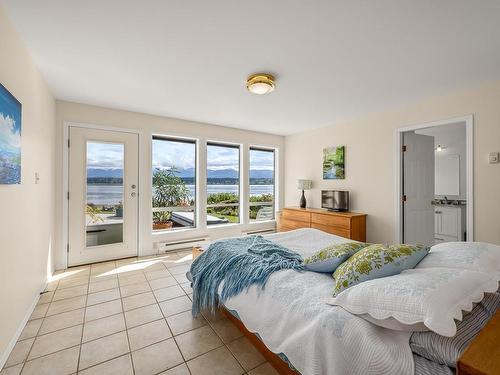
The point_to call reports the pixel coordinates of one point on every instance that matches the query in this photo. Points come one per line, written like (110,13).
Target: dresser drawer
(339,222)
(293,224)
(296,215)
(346,233)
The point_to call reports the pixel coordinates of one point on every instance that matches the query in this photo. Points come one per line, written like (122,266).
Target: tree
(168,191)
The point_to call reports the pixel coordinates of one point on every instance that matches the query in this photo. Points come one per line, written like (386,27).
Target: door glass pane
(223,184)
(174,184)
(104,208)
(261,185)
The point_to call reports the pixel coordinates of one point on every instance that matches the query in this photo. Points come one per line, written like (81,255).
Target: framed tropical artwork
(10,138)
(334,163)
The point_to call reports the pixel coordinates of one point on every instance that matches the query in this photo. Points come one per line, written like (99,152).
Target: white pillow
(394,324)
(432,296)
(473,256)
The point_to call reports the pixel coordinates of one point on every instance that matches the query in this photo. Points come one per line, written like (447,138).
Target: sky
(10,122)
(179,154)
(104,155)
(222,158)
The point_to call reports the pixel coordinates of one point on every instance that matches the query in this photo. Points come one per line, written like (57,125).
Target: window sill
(180,230)
(227,225)
(262,222)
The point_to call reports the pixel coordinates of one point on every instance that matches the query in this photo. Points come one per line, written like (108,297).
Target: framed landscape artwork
(334,163)
(10,138)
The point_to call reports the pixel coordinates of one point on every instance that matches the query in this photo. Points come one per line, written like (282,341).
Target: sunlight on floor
(123,266)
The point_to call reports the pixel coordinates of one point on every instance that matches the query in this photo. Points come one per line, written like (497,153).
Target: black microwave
(335,200)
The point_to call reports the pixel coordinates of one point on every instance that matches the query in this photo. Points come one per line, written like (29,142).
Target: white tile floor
(130,316)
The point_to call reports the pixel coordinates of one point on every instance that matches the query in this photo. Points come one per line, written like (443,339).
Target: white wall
(26,214)
(370,159)
(149,125)
(453,138)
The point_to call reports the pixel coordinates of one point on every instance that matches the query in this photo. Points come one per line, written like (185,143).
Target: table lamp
(304,185)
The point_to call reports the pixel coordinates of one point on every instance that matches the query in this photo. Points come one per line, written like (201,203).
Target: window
(104,208)
(174,183)
(223,184)
(261,173)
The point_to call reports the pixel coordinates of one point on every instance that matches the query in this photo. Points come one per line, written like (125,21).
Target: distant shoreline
(98,181)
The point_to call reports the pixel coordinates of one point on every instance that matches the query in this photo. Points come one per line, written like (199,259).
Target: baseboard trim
(12,343)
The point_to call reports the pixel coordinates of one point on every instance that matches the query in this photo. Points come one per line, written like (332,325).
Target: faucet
(446,201)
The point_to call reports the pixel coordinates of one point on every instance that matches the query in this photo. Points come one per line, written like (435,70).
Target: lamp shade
(304,184)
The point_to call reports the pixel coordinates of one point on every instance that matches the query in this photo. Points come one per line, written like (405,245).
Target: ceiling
(333,60)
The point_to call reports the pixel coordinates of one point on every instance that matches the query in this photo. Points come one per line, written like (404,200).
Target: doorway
(434,182)
(102,195)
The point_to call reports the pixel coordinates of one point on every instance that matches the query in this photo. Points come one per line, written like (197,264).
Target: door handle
(133,194)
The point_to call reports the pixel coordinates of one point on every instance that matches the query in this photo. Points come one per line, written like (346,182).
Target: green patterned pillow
(377,261)
(329,258)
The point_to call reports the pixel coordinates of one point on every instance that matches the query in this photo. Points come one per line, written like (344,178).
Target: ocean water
(112,194)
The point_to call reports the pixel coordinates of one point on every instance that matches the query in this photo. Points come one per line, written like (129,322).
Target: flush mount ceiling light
(260,83)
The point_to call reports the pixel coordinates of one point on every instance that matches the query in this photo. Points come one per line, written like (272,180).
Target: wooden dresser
(345,224)
(482,356)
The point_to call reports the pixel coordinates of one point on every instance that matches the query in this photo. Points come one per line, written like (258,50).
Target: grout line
(83,328)
(168,325)
(126,329)
(108,360)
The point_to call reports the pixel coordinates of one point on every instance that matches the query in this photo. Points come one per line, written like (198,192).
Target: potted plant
(169,190)
(93,214)
(119,209)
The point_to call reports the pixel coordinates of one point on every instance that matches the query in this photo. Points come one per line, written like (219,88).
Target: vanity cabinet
(449,223)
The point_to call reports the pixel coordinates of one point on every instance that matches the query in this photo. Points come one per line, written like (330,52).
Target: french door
(103,195)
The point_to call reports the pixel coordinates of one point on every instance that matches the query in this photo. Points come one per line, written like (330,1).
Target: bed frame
(482,357)
(280,365)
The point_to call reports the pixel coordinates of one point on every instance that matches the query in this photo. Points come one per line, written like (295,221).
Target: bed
(291,318)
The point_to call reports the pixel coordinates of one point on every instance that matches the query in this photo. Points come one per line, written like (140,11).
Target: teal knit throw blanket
(239,263)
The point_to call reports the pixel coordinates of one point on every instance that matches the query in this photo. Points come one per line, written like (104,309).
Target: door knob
(132,194)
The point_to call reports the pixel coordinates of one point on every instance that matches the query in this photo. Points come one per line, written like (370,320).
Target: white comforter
(292,317)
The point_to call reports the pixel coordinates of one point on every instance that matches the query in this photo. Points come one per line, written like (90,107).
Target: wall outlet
(493,157)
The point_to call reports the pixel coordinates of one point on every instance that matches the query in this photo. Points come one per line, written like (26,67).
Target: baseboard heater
(181,244)
(260,231)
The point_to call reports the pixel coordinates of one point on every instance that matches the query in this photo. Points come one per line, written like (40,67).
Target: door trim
(65,182)
(469,135)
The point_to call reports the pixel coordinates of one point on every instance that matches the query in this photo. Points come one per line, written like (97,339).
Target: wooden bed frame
(482,356)
(280,365)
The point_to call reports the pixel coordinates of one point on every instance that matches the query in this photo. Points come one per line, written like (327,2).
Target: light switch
(37,178)
(493,157)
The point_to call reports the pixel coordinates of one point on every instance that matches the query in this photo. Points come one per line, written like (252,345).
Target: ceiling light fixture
(440,148)
(260,83)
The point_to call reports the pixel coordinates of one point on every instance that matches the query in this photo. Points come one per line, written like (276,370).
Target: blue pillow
(375,261)
(330,257)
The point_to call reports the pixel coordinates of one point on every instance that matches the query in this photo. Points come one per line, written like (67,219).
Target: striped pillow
(447,350)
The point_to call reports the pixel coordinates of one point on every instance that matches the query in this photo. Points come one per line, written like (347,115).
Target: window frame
(238,147)
(194,208)
(273,204)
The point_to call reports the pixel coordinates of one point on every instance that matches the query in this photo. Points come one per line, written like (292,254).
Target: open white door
(103,195)
(418,188)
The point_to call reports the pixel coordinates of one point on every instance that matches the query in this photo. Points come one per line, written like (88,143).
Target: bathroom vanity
(449,222)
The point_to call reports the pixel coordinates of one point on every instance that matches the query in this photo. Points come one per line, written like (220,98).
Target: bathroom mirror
(447,175)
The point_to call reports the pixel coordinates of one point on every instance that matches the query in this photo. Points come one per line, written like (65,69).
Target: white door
(103,195)
(418,189)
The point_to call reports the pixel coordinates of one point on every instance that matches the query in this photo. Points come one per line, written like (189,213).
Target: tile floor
(131,316)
